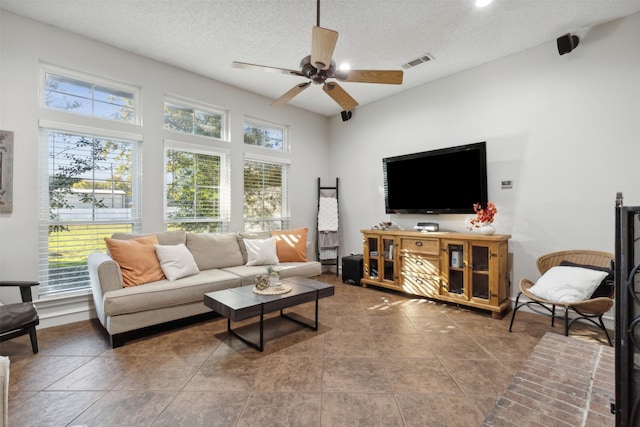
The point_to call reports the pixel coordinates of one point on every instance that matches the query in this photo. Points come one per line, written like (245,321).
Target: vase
(487,229)
(274,280)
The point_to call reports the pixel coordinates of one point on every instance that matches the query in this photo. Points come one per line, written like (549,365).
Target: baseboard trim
(65,309)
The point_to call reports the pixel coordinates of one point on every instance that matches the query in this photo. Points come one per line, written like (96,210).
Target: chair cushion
(605,288)
(567,284)
(13,316)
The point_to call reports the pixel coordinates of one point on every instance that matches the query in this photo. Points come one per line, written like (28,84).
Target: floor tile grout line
(371,321)
(587,408)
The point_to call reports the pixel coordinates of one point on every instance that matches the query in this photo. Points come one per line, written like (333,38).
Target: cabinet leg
(497,314)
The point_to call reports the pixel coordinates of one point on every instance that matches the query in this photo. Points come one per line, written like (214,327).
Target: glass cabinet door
(380,259)
(388,257)
(371,267)
(455,268)
(480,271)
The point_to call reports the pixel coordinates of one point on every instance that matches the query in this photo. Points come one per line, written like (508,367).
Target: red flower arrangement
(483,216)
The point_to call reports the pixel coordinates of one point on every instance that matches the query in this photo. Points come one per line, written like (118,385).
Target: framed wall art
(6,171)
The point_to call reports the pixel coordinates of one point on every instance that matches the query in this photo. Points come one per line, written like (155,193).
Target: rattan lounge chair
(591,310)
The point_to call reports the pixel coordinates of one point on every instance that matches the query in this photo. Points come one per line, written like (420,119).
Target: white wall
(565,129)
(26,43)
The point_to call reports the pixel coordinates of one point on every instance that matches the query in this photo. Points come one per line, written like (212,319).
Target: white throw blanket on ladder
(328,239)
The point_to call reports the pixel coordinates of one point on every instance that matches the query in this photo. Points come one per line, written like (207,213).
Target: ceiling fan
(319,67)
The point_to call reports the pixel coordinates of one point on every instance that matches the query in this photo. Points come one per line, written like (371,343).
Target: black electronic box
(352,269)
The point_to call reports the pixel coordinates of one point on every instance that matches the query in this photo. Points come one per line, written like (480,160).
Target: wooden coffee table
(242,303)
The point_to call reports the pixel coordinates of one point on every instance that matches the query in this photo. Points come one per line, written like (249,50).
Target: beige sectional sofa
(222,263)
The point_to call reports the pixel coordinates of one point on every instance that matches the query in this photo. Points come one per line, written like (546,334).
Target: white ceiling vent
(420,60)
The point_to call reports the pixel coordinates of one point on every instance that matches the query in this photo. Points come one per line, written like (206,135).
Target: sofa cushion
(250,235)
(164,293)
(286,269)
(164,237)
(291,245)
(176,261)
(261,252)
(137,259)
(247,272)
(305,269)
(214,250)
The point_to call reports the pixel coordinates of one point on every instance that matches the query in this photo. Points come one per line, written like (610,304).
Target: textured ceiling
(205,36)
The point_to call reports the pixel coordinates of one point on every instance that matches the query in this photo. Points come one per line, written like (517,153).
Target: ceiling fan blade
(323,42)
(339,95)
(290,94)
(389,77)
(247,66)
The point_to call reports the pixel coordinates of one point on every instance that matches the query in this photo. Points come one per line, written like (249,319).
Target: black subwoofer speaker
(352,269)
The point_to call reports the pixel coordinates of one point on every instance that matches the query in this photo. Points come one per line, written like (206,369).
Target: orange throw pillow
(137,259)
(291,245)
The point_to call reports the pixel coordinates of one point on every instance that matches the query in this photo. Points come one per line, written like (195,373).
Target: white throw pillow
(261,252)
(176,261)
(568,284)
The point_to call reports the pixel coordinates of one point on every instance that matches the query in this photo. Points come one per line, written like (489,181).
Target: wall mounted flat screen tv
(448,180)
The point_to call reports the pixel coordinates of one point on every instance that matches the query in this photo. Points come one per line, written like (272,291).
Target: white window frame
(286,203)
(225,181)
(135,219)
(196,105)
(266,124)
(93,79)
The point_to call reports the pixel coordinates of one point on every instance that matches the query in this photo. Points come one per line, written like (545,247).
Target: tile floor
(380,358)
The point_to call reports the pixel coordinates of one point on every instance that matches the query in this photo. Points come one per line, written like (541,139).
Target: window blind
(88,193)
(265,195)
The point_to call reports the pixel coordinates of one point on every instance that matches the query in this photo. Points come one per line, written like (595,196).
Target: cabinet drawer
(429,246)
(415,264)
(420,284)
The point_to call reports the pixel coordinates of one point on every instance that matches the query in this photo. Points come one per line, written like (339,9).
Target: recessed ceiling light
(483,3)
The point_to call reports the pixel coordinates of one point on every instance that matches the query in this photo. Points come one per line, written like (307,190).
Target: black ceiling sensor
(346,115)
(567,43)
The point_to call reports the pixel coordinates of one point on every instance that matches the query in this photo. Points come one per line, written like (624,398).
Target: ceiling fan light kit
(320,66)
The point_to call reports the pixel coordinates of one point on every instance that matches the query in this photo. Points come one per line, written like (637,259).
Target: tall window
(266,135)
(89,191)
(265,195)
(91,96)
(196,189)
(89,177)
(187,118)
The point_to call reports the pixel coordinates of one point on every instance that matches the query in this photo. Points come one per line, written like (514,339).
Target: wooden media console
(469,269)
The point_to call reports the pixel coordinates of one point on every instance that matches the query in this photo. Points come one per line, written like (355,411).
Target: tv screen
(448,180)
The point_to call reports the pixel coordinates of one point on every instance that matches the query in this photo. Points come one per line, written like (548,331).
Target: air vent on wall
(420,60)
